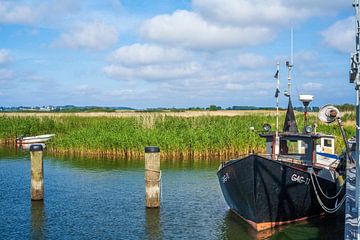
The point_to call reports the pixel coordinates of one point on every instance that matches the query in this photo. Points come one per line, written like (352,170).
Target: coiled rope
(326,209)
(311,171)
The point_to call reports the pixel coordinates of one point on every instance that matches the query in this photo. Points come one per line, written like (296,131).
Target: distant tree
(346,107)
(213,108)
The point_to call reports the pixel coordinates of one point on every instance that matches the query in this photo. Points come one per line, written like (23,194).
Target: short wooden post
(152,177)
(37,177)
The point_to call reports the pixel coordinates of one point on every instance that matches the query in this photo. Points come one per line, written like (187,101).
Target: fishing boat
(298,177)
(34,139)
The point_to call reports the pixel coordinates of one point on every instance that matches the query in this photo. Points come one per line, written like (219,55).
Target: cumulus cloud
(25,12)
(94,36)
(152,72)
(311,86)
(12,12)
(341,35)
(250,60)
(213,25)
(189,29)
(84,90)
(258,12)
(249,12)
(6,74)
(4,56)
(144,54)
(151,63)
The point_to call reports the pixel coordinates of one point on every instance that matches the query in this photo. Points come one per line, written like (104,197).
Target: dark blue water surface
(105,199)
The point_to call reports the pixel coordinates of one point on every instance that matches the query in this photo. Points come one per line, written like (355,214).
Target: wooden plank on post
(152,177)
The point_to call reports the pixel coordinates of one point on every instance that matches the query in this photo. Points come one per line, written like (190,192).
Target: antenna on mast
(290,121)
(290,64)
(292,46)
(277,139)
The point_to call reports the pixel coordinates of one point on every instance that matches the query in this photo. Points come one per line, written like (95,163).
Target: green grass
(207,136)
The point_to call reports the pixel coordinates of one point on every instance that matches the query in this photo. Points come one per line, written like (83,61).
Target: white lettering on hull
(300,179)
(225,178)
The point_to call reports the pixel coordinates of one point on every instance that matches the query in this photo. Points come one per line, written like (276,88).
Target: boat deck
(351,215)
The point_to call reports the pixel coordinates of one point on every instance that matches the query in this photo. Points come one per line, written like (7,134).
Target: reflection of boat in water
(26,146)
(299,176)
(233,227)
(34,139)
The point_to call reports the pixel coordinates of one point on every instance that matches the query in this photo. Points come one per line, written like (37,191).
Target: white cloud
(84,90)
(6,74)
(4,56)
(12,12)
(259,12)
(189,29)
(95,36)
(138,54)
(120,93)
(341,35)
(311,86)
(164,72)
(250,60)
(246,12)
(27,12)
(306,56)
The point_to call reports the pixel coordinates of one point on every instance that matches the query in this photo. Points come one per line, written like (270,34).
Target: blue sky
(163,53)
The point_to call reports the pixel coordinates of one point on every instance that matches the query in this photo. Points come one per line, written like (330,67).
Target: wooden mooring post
(37,176)
(152,177)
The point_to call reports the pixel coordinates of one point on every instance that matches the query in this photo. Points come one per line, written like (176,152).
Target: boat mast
(277,140)
(290,121)
(290,64)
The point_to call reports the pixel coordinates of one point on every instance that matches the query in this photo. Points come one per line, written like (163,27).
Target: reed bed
(204,137)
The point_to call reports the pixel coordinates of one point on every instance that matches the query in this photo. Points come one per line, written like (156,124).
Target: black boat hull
(267,193)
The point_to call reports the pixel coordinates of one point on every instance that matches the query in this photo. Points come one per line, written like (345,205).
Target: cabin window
(289,147)
(327,143)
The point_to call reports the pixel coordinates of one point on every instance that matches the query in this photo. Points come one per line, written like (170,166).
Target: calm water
(105,199)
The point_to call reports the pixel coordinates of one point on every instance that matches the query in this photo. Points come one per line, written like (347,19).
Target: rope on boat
(326,209)
(311,171)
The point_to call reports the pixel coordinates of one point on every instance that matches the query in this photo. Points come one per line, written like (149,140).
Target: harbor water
(91,198)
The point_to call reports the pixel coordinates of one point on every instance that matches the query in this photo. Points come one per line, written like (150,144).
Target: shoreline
(214,155)
(134,113)
(196,137)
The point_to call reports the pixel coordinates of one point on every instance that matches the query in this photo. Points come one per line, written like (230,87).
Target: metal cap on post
(152,149)
(36,147)
(152,177)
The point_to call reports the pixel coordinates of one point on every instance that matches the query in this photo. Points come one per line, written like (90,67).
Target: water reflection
(11,152)
(26,147)
(152,227)
(37,220)
(104,199)
(234,227)
(106,164)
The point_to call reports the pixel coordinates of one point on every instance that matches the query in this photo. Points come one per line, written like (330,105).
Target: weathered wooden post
(152,177)
(37,178)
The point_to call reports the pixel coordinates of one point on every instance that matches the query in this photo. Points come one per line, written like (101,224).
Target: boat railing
(292,159)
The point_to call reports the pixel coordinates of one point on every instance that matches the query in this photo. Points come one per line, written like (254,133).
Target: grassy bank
(178,137)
